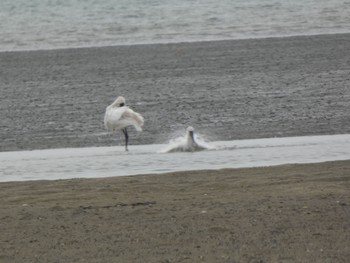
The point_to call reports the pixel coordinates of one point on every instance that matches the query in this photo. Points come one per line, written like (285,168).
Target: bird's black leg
(125,131)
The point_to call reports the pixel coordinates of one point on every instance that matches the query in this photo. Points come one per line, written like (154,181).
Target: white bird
(118,116)
(187,145)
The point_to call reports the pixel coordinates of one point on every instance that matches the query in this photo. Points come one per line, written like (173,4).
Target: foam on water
(145,159)
(179,141)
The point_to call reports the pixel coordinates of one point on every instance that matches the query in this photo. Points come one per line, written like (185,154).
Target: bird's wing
(112,117)
(135,118)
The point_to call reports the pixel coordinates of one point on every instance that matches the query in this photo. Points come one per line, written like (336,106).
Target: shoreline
(287,213)
(177,42)
(166,173)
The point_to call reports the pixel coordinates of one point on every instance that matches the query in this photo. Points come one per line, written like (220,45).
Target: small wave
(179,144)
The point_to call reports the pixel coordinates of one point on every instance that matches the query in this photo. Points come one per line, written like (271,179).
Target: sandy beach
(289,213)
(227,90)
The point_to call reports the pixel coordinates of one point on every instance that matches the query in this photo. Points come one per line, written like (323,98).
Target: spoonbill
(189,144)
(118,116)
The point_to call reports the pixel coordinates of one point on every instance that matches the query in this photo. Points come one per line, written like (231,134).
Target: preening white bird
(118,116)
(189,144)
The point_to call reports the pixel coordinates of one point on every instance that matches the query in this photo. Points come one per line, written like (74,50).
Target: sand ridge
(288,213)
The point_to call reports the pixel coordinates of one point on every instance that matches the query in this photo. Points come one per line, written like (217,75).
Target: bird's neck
(190,140)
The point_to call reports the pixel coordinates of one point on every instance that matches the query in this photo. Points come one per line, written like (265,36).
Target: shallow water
(145,159)
(47,24)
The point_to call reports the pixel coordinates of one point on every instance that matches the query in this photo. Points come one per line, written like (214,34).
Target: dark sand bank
(289,213)
(226,89)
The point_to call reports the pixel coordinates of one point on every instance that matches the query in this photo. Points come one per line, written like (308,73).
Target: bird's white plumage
(118,116)
(186,144)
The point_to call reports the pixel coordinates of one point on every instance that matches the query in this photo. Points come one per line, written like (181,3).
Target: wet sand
(227,90)
(289,213)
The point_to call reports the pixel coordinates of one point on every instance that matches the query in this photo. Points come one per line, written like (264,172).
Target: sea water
(149,159)
(51,24)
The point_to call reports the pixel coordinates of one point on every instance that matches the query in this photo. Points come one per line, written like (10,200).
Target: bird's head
(120,102)
(190,132)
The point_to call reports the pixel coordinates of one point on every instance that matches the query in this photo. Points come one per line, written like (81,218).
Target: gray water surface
(146,159)
(47,24)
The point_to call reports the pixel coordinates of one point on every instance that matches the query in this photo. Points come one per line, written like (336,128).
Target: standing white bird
(118,116)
